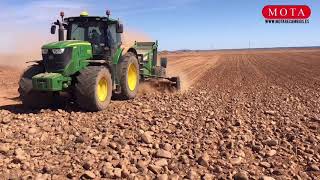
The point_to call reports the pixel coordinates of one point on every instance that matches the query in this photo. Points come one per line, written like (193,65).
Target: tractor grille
(57,62)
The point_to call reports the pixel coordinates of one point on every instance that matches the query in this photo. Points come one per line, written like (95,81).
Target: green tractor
(90,65)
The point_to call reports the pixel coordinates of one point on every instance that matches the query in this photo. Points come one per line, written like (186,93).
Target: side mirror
(119,28)
(53,29)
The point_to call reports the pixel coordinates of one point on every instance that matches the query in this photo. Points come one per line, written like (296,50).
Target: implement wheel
(93,89)
(129,76)
(29,97)
(177,82)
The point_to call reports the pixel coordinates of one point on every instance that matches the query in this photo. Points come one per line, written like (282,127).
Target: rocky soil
(248,116)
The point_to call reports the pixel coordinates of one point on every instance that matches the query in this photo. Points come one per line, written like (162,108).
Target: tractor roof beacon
(90,65)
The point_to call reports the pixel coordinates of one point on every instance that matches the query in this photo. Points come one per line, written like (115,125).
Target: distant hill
(243,49)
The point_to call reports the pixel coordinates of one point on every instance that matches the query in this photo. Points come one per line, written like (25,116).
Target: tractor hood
(66,57)
(65,44)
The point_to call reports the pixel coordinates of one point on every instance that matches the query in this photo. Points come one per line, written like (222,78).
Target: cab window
(78,33)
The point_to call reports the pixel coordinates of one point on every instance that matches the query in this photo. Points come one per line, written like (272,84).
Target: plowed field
(241,114)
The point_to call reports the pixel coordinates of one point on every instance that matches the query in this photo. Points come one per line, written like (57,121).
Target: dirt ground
(241,115)
(9,77)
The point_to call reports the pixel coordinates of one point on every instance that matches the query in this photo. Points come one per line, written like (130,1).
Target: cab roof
(92,18)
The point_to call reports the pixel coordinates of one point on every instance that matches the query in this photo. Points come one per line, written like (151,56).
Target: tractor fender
(133,50)
(117,56)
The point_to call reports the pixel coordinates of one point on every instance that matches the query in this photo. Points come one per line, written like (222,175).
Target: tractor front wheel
(29,97)
(129,76)
(93,89)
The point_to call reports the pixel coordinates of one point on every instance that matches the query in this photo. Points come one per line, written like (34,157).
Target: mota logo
(286,13)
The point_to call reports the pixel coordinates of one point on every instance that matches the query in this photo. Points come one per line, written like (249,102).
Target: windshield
(103,37)
(87,31)
(94,32)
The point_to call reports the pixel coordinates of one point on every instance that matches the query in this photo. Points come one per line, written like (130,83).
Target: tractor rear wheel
(29,97)
(93,89)
(129,76)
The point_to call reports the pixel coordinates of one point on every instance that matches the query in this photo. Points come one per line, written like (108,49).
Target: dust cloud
(130,36)
(26,46)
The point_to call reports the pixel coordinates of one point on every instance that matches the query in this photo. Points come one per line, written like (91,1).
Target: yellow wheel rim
(132,77)
(102,89)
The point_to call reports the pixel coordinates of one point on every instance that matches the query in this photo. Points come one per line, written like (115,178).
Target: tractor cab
(102,32)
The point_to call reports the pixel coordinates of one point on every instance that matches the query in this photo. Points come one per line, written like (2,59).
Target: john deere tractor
(90,65)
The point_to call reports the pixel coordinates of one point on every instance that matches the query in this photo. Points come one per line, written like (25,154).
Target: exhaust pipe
(61,28)
(61,32)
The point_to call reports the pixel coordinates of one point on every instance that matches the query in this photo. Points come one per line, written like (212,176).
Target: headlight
(44,51)
(57,51)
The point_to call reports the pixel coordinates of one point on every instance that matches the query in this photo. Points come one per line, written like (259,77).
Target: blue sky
(177,24)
